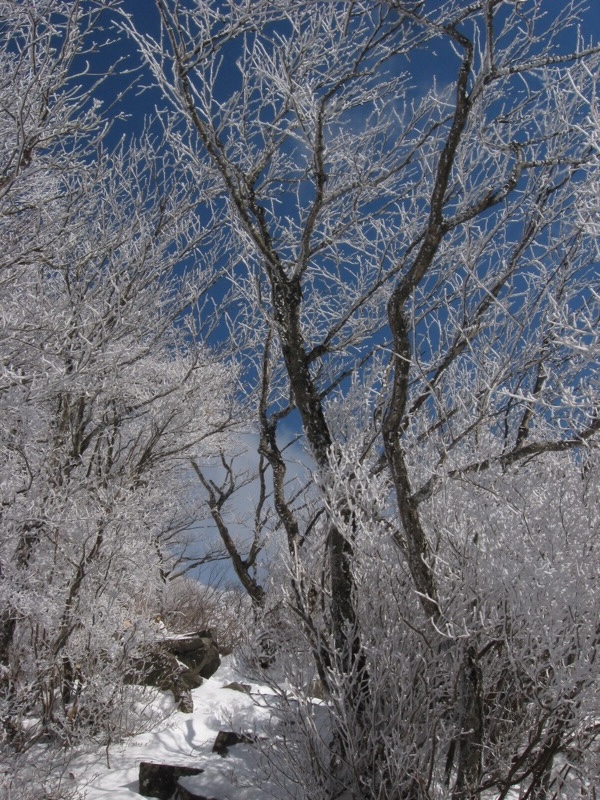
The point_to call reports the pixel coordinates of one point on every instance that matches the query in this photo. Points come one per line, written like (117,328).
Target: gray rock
(177,664)
(239,687)
(199,652)
(160,780)
(227,739)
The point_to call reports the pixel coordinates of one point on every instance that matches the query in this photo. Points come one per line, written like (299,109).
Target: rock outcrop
(177,664)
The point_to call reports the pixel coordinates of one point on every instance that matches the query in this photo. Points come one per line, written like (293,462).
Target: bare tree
(401,190)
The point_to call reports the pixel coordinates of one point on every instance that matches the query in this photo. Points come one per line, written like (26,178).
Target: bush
(188,605)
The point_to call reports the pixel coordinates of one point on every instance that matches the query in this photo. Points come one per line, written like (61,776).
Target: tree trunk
(471,735)
(287,300)
(415,544)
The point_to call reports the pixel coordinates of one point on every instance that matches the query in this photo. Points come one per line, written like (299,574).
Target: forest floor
(187,740)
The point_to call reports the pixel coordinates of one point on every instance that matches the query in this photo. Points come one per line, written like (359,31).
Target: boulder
(177,664)
(160,780)
(199,653)
(238,687)
(227,739)
(159,668)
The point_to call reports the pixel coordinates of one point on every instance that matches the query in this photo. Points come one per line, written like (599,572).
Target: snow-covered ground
(187,740)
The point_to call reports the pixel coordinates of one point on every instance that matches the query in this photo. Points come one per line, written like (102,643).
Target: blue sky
(139,103)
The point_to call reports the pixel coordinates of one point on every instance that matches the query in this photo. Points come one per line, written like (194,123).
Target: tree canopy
(384,217)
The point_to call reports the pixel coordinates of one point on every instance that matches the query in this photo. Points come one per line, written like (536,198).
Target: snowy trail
(187,740)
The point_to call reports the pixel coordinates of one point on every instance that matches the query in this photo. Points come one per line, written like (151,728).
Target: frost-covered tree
(516,572)
(106,387)
(400,187)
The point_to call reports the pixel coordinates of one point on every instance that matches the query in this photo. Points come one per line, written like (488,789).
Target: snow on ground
(187,740)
